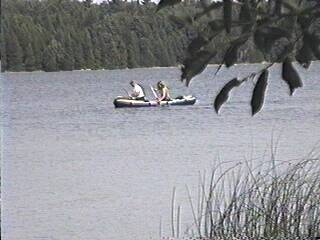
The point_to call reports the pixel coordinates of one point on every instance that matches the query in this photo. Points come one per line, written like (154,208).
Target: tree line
(54,35)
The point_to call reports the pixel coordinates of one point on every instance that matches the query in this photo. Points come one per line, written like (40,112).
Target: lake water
(74,167)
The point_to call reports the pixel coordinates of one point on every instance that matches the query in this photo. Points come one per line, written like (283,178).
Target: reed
(272,201)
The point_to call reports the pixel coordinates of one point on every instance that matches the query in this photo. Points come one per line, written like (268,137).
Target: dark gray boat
(121,102)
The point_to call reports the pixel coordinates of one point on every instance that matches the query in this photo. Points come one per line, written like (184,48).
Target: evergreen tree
(78,54)
(29,61)
(14,52)
(53,57)
(147,58)
(49,60)
(115,34)
(88,50)
(86,35)
(133,50)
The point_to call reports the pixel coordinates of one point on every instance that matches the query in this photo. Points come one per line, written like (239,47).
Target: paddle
(129,96)
(126,92)
(154,92)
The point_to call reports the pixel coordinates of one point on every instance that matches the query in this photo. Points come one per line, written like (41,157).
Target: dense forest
(53,35)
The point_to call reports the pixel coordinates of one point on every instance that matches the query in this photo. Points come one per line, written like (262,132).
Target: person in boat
(137,92)
(163,90)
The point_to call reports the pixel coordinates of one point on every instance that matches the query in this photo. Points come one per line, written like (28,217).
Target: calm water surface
(77,168)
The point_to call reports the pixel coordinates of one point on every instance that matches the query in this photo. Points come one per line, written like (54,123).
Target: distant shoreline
(119,69)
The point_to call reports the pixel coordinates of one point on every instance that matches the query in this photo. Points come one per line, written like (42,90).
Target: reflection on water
(77,168)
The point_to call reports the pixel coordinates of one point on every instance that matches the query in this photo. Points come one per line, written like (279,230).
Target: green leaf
(266,37)
(292,8)
(166,3)
(291,76)
(181,21)
(223,95)
(246,16)
(216,25)
(231,55)
(304,55)
(312,10)
(316,15)
(286,51)
(304,22)
(278,7)
(259,91)
(313,42)
(196,44)
(227,14)
(195,65)
(212,6)
(245,12)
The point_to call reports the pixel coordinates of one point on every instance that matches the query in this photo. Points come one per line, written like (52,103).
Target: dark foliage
(279,30)
(291,76)
(54,35)
(223,95)
(259,92)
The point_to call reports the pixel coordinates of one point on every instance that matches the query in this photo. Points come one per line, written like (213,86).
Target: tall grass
(271,201)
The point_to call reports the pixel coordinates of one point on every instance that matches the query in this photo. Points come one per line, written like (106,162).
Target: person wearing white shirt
(137,92)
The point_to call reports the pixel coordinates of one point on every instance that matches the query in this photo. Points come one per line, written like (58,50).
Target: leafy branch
(293,24)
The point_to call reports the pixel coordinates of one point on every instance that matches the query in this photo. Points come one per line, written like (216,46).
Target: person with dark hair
(137,92)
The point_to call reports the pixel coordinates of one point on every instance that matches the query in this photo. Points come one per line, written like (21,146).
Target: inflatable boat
(121,102)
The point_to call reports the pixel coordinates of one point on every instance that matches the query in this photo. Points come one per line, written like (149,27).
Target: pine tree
(3,52)
(29,61)
(147,57)
(79,62)
(87,35)
(51,57)
(14,52)
(87,50)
